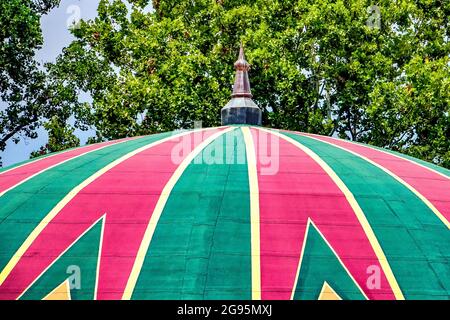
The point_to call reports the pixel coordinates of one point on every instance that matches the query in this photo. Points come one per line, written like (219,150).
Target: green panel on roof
(201,245)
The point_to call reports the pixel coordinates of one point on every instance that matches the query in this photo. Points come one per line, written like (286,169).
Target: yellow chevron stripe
(393,175)
(148,235)
(305,237)
(254,213)
(42,224)
(67,249)
(61,292)
(328,293)
(356,208)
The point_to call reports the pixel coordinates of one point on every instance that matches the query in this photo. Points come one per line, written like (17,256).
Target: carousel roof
(234,212)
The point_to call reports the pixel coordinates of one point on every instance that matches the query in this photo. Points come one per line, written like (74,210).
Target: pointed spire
(241,86)
(241,109)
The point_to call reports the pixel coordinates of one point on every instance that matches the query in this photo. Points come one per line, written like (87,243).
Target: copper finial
(241,86)
(241,109)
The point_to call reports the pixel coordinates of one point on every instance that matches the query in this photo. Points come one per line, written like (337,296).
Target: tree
(61,137)
(26,98)
(317,66)
(410,111)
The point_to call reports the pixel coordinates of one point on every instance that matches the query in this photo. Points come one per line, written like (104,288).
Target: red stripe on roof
(12,177)
(433,186)
(299,190)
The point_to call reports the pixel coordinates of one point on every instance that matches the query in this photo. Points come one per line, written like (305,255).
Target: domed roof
(235,212)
